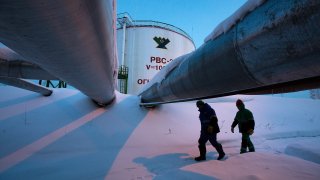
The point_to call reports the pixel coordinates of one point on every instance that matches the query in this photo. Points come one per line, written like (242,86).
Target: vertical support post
(123,43)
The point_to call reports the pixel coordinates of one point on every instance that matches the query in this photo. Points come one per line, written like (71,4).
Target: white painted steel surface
(142,56)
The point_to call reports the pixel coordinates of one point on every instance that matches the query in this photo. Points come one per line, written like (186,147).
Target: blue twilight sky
(196,17)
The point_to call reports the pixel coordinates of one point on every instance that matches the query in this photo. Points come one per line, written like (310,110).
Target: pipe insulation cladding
(12,65)
(72,40)
(275,44)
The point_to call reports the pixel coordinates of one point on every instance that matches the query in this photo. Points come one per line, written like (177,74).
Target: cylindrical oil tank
(145,47)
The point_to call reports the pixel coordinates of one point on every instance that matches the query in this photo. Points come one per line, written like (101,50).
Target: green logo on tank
(162,42)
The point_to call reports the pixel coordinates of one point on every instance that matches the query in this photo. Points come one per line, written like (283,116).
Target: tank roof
(125,18)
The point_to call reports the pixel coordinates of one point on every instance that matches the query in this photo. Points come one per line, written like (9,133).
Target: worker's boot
(244,144)
(203,152)
(220,151)
(250,146)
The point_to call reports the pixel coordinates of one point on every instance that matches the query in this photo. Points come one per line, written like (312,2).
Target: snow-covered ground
(66,136)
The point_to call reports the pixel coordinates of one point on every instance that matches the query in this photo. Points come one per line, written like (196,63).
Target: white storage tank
(145,47)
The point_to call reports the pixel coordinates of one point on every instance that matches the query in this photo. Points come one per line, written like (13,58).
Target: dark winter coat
(244,119)
(208,117)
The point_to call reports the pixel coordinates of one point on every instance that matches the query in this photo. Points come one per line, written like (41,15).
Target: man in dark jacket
(245,121)
(209,130)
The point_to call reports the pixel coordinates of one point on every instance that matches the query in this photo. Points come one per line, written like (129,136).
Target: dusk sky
(197,18)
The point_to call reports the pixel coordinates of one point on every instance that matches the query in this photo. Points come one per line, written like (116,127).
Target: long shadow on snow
(168,166)
(87,152)
(22,129)
(22,99)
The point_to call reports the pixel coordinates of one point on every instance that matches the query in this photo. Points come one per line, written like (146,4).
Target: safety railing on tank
(145,23)
(161,25)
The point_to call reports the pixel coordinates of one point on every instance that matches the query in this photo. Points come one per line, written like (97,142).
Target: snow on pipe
(277,45)
(72,40)
(23,84)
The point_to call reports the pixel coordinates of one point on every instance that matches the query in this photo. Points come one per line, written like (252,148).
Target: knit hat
(199,103)
(239,102)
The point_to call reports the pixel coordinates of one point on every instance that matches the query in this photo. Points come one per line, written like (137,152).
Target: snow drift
(66,136)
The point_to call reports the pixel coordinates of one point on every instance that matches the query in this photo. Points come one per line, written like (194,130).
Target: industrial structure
(144,48)
(275,48)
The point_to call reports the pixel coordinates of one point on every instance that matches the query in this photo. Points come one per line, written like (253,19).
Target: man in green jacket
(245,121)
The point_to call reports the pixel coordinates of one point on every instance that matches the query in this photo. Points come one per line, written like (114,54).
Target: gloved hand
(210,129)
(250,131)
(232,129)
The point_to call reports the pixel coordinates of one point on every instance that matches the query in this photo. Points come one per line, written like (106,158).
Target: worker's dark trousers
(246,143)
(204,137)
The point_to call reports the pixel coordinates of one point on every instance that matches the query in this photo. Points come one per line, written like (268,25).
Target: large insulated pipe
(72,40)
(23,84)
(14,66)
(276,45)
(24,70)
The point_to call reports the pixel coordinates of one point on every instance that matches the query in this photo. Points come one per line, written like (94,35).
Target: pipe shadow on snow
(89,151)
(22,99)
(24,128)
(168,166)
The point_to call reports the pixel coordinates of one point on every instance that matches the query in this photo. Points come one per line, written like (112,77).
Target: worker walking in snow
(245,121)
(209,130)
